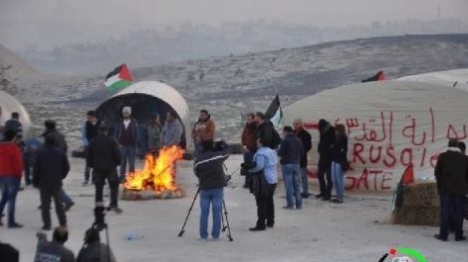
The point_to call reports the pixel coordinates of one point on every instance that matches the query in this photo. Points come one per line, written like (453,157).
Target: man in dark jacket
(60,143)
(327,138)
(290,151)
(266,131)
(14,124)
(89,131)
(208,168)
(126,134)
(54,250)
(306,139)
(50,168)
(104,157)
(249,142)
(451,173)
(94,250)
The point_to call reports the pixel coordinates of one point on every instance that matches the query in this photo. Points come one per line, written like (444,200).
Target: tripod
(223,216)
(98,226)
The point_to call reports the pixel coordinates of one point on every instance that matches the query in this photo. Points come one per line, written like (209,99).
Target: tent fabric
(9,105)
(390,124)
(146,98)
(451,78)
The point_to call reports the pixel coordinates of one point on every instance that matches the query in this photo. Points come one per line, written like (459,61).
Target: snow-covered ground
(322,231)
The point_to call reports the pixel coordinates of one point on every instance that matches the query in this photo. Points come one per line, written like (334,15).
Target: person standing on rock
(103,157)
(126,134)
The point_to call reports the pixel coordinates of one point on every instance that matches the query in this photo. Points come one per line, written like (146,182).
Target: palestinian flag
(118,79)
(378,77)
(275,112)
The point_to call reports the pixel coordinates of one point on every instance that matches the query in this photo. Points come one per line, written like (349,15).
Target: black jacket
(306,139)
(327,138)
(265,133)
(291,150)
(50,167)
(208,167)
(59,139)
(451,172)
(103,153)
(9,253)
(339,151)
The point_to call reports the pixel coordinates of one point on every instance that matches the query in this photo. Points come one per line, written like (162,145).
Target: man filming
(208,168)
(93,250)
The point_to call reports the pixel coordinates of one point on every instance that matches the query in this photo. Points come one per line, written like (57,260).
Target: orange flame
(158,174)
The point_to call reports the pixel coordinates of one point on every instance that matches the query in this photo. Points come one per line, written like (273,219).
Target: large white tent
(147,98)
(452,78)
(390,124)
(9,105)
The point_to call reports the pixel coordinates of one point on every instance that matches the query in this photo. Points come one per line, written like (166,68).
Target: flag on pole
(406,178)
(275,112)
(378,77)
(118,79)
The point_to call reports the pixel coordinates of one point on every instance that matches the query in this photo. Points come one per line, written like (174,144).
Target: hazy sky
(48,22)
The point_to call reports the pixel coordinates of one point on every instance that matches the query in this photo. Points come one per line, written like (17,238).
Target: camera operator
(94,250)
(208,168)
(103,157)
(263,185)
(54,250)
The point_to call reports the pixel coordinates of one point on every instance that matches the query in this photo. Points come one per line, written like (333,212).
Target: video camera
(99,217)
(246,166)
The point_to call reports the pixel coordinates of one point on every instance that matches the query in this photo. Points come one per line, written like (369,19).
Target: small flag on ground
(378,77)
(408,175)
(275,112)
(119,78)
(406,179)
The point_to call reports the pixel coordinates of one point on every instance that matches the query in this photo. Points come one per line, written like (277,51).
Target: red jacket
(11,161)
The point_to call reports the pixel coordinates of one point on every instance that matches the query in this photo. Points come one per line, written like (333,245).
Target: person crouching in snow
(263,185)
(208,168)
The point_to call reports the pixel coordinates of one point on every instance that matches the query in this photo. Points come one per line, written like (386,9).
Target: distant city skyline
(48,23)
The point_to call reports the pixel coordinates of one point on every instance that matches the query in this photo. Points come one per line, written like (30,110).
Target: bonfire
(157,178)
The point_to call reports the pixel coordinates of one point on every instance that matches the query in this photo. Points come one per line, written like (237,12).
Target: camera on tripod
(245,167)
(99,217)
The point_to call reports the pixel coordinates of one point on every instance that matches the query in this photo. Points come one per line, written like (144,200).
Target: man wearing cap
(126,133)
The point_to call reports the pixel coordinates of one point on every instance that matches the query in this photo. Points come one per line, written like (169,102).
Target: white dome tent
(390,124)
(146,98)
(9,104)
(452,78)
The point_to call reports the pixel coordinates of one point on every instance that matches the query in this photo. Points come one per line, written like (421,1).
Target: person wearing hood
(93,249)
(50,168)
(451,172)
(265,172)
(126,133)
(249,142)
(203,130)
(171,131)
(11,169)
(327,139)
(60,143)
(53,250)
